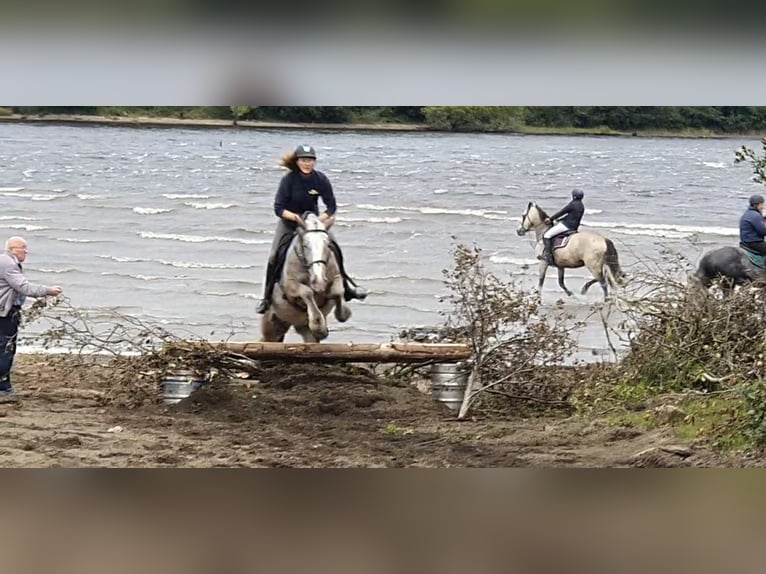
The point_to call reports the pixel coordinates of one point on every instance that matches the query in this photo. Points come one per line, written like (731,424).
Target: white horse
(582,249)
(309,287)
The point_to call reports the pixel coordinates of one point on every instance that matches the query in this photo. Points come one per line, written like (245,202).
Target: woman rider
(572,214)
(299,192)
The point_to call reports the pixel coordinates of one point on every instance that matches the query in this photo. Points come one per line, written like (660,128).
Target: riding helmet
(577,194)
(756,199)
(305,151)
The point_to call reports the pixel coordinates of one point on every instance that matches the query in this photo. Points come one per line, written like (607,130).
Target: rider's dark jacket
(574,210)
(299,193)
(751,226)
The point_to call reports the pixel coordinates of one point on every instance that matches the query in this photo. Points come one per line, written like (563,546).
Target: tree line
(721,119)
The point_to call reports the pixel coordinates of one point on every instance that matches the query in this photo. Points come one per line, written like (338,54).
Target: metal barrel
(448,383)
(179,384)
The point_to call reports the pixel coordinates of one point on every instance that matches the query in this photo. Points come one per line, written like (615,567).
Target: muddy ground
(303,416)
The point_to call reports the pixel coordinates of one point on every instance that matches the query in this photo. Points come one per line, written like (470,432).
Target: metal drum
(179,384)
(448,383)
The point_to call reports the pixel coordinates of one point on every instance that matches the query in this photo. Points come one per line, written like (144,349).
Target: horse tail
(612,264)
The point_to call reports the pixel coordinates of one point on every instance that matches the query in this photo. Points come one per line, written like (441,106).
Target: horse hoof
(344,315)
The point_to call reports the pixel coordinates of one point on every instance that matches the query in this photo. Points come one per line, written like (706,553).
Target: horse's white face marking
(316,251)
(528,219)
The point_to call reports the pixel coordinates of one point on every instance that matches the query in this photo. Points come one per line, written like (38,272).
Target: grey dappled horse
(309,287)
(729,264)
(584,249)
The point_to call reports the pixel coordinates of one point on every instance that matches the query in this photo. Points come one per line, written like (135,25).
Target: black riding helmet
(756,199)
(305,151)
(577,194)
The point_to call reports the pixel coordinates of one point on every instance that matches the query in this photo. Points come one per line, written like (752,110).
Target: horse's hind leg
(587,286)
(272,329)
(561,282)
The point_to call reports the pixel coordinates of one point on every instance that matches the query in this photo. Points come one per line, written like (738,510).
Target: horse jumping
(583,249)
(310,285)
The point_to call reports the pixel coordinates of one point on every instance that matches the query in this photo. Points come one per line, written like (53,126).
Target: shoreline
(198,123)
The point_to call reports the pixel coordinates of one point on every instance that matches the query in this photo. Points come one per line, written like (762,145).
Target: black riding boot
(265,303)
(548,251)
(351,289)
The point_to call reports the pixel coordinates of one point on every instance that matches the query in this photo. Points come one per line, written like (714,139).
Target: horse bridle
(302,254)
(525,217)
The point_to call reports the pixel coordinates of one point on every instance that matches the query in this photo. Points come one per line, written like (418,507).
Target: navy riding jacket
(751,226)
(572,213)
(300,193)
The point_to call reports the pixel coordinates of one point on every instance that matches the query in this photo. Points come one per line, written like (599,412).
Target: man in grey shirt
(14,289)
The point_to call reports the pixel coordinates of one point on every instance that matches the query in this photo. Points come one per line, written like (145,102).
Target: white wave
(201,238)
(255,296)
(372,220)
(87,196)
(209,205)
(185,196)
(440,191)
(670,234)
(11,189)
(433,210)
(27,227)
(150,210)
(215,293)
(73,240)
(57,271)
(139,276)
(17,218)
(686,229)
(180,264)
(715,164)
(593,211)
(29,172)
(33,196)
(513,260)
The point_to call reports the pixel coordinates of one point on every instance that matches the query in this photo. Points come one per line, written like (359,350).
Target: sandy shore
(302,416)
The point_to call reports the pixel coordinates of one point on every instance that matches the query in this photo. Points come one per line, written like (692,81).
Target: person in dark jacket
(566,219)
(299,191)
(752,228)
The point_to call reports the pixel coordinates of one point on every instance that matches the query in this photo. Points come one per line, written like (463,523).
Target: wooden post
(351,352)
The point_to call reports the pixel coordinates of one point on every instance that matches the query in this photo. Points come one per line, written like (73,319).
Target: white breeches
(555,230)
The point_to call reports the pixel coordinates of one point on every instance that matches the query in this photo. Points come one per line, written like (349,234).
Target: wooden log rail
(350,352)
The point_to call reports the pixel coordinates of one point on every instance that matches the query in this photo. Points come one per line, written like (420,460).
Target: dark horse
(733,266)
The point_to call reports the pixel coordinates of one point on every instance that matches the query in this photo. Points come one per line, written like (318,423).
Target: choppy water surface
(175,224)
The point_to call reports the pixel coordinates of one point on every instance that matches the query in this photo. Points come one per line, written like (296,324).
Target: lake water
(175,224)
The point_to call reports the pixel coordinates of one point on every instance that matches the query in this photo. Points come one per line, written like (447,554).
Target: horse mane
(542,211)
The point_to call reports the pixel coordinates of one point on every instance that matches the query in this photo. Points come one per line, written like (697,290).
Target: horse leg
(588,285)
(337,292)
(561,282)
(308,336)
(543,271)
(272,328)
(317,321)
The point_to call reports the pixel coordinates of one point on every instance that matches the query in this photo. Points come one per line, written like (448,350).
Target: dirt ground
(302,416)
